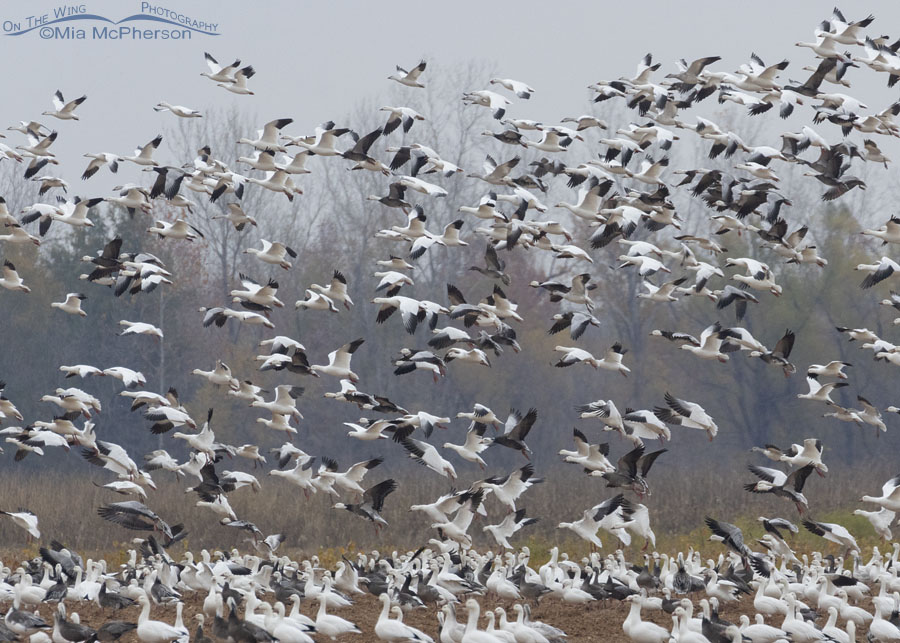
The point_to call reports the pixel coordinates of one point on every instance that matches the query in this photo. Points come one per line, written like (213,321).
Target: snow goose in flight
(819,392)
(663,292)
(873,154)
(426,455)
(131,197)
(517,427)
(285,402)
(274,253)
(870,415)
(72,304)
(63,110)
(605,411)
(339,362)
(551,141)
(858,334)
(475,443)
(577,322)
(50,182)
(779,355)
(336,290)
(178,110)
(315,301)
(10,153)
(238,85)
(731,295)
(140,328)
(473,355)
(218,376)
(590,456)
(880,520)
(217,73)
(239,219)
(517,87)
(646,266)
(890,495)
(778,483)
(409,78)
(833,532)
(372,503)
(397,115)
(219,315)
(135,515)
(179,229)
(326,136)
(487,98)
(810,452)
(144,155)
(37,146)
(127,376)
(585,121)
(632,469)
(391,279)
(277,181)
(688,414)
(877,271)
(424,187)
(10,279)
(26,520)
(268,136)
(712,344)
(831,369)
(256,296)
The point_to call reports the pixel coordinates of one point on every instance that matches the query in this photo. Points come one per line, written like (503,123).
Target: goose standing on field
(149,631)
(178,110)
(63,110)
(395,631)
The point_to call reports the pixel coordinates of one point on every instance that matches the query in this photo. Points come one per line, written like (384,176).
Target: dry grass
(66,505)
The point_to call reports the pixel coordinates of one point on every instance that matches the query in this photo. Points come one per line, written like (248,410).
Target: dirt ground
(598,621)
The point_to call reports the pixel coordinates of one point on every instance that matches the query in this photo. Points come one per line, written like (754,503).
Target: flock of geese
(623,190)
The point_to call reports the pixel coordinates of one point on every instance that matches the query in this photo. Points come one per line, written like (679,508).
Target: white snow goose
(409,78)
(63,110)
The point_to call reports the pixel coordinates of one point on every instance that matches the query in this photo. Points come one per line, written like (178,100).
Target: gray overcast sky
(315,59)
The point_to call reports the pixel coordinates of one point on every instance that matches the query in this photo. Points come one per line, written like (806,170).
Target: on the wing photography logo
(75,22)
